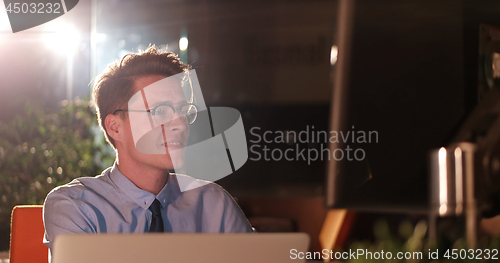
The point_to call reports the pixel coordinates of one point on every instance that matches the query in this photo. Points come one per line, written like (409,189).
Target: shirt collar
(164,193)
(141,197)
(170,192)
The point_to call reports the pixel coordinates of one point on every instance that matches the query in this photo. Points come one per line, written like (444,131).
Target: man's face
(149,140)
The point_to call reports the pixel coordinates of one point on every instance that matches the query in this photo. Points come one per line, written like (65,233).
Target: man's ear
(114,126)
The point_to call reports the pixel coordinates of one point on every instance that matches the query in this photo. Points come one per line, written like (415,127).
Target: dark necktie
(156,220)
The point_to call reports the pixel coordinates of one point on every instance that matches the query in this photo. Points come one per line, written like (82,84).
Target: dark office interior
(415,74)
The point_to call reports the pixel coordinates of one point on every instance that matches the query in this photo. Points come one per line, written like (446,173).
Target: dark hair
(115,86)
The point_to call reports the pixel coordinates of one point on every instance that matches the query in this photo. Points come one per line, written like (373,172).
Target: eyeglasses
(164,113)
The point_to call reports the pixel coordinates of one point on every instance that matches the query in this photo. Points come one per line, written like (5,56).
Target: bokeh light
(63,38)
(183,43)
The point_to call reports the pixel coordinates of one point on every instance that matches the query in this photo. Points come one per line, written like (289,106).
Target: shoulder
(80,187)
(72,206)
(214,200)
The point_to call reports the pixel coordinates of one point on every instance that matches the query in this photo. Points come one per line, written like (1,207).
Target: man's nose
(178,122)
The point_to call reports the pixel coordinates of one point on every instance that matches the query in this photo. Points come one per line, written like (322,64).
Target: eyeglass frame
(153,110)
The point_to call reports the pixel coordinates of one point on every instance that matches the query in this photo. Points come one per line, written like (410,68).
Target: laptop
(173,248)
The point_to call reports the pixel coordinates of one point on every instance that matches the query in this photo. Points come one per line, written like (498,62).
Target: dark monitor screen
(405,78)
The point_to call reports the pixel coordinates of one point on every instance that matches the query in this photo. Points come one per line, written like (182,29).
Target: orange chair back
(26,235)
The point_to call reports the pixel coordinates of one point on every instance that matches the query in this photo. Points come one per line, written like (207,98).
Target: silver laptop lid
(152,248)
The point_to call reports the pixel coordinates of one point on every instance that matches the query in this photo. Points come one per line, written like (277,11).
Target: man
(138,194)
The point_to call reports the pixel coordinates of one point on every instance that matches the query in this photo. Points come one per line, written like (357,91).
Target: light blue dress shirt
(111,203)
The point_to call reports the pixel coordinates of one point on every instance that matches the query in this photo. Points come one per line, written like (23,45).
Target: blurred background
(273,61)
(263,58)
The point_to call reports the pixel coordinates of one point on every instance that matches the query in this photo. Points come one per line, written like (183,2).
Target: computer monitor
(405,79)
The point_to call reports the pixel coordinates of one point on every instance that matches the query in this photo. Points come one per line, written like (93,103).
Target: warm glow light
(442,209)
(443,181)
(459,180)
(334,52)
(183,43)
(100,37)
(5,28)
(496,65)
(62,37)
(4,21)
